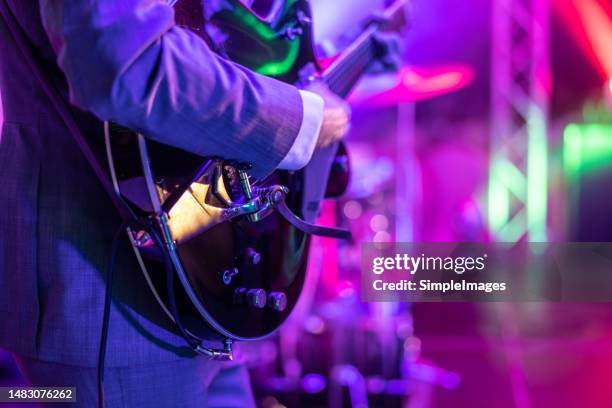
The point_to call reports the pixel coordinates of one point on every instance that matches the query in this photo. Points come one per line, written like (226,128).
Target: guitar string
(361,52)
(339,80)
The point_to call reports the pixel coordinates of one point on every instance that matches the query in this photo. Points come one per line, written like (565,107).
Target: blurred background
(498,127)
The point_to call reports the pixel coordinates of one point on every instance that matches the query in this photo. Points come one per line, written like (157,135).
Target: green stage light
(586,147)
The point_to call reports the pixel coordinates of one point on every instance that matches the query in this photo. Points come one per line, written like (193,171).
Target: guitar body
(227,260)
(270,254)
(278,45)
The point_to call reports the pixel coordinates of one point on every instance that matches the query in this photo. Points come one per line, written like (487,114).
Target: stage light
(382,236)
(379,223)
(590,23)
(352,210)
(586,147)
(598,27)
(313,383)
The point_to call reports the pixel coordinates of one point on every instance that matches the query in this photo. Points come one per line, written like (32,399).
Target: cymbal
(411,84)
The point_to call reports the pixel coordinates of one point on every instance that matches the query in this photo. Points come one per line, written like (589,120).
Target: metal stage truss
(520,84)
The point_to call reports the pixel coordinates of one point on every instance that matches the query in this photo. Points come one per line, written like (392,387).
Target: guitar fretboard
(346,70)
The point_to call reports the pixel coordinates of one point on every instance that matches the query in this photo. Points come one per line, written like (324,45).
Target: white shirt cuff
(300,153)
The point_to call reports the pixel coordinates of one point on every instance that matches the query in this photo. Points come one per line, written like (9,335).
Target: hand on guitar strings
(336,115)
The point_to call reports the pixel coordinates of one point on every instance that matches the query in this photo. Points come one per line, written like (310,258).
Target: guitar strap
(63,109)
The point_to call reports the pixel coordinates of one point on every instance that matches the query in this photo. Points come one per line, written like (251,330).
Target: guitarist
(125,61)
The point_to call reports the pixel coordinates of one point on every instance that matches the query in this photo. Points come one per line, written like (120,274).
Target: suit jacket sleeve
(126,61)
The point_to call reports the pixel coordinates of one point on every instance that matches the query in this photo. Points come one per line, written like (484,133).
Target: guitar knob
(256,298)
(277,301)
(252,256)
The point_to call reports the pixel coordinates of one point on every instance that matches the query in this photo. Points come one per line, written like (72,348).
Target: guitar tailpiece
(278,203)
(261,201)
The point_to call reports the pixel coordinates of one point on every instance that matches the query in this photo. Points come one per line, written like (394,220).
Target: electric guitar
(225,255)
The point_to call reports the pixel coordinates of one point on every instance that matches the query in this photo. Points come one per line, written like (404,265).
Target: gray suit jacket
(123,60)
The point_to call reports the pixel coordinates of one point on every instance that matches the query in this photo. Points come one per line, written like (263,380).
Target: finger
(347,109)
(336,121)
(345,130)
(325,140)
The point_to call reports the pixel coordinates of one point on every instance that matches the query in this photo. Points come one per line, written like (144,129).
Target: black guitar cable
(191,340)
(106,316)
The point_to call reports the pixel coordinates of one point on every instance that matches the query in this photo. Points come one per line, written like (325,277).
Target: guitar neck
(342,75)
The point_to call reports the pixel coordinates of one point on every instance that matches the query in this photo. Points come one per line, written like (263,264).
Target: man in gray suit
(126,61)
